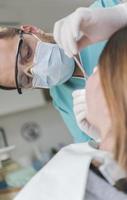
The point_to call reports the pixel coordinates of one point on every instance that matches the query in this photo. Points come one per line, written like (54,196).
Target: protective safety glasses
(16,62)
(17,73)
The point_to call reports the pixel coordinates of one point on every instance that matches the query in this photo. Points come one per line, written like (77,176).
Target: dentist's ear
(31,29)
(45,37)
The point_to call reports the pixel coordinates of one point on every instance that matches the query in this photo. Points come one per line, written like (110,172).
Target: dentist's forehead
(8,49)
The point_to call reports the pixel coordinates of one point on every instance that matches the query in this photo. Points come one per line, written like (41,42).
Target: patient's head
(108,87)
(9,43)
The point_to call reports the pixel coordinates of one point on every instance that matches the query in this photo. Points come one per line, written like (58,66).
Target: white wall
(52,126)
(42,13)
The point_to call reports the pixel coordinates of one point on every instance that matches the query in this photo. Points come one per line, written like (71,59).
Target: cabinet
(9,194)
(11,101)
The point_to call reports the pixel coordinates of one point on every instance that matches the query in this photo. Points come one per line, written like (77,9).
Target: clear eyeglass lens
(24,79)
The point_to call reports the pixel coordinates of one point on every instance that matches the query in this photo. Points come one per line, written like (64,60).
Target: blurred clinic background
(31,130)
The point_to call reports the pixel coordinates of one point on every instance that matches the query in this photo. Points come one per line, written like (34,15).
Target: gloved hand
(80,111)
(86,26)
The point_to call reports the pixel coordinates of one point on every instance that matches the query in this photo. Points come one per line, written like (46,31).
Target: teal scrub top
(62,94)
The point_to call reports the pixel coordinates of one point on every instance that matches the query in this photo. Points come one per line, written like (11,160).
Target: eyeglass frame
(21,32)
(19,90)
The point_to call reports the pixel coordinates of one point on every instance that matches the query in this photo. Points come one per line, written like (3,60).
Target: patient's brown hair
(113,73)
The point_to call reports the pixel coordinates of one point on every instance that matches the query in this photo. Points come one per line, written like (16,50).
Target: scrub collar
(106,3)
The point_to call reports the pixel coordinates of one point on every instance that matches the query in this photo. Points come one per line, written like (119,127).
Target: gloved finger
(83,42)
(75,25)
(70,39)
(57,31)
(65,37)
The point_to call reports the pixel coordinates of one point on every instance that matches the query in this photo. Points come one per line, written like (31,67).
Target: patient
(106,104)
(83,171)
(108,110)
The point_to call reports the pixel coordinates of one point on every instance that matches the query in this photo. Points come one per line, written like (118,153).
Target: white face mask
(51,66)
(80,109)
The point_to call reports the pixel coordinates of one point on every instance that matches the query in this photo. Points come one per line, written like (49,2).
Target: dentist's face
(98,113)
(8,51)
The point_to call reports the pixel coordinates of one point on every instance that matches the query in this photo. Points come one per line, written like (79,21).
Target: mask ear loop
(78,62)
(36,37)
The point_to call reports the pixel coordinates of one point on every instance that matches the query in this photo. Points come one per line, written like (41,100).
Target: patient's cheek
(107,143)
(95,100)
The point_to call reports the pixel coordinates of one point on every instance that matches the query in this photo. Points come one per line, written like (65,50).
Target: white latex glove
(86,26)
(80,111)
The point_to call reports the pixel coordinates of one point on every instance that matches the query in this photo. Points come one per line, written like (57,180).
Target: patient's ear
(30,29)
